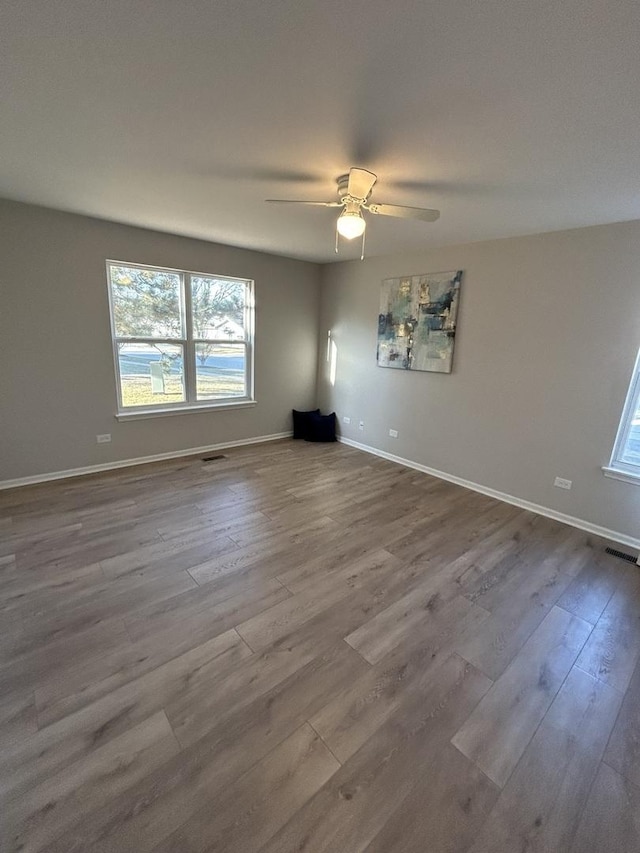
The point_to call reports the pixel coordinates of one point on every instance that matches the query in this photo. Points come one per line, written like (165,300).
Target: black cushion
(323,427)
(302,423)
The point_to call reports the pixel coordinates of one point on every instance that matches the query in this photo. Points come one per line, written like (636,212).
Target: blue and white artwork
(417,321)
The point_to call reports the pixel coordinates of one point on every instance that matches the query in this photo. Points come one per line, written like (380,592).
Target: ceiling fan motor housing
(343,186)
(343,191)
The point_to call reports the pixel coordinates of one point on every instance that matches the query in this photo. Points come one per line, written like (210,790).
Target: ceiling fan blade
(404,212)
(298,201)
(360,183)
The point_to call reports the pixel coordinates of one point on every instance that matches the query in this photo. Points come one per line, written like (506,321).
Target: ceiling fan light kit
(354,190)
(351,224)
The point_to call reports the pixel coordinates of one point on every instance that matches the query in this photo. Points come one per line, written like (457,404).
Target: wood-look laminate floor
(301,647)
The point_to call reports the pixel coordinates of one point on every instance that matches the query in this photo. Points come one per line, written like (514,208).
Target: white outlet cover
(346,420)
(561,483)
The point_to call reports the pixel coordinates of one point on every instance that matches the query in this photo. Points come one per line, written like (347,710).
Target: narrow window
(625,458)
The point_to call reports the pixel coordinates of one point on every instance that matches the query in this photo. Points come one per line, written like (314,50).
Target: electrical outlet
(393,433)
(103,439)
(346,420)
(561,483)
(361,425)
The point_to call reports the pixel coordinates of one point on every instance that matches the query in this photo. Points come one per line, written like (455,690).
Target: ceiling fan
(354,190)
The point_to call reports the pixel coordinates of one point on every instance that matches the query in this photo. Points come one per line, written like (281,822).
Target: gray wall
(57,385)
(548,332)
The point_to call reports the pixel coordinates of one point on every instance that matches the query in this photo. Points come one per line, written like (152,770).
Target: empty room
(319,427)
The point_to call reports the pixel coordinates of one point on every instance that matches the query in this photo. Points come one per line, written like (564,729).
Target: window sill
(141,414)
(625,476)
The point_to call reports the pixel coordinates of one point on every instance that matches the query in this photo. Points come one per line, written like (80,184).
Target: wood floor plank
(623,751)
(18,718)
(36,818)
(104,674)
(500,728)
(262,630)
(194,716)
(443,579)
(90,550)
(89,725)
(611,818)
(353,716)
(270,555)
(147,814)
(352,808)
(591,590)
(517,604)
(539,544)
(215,520)
(315,597)
(444,810)
(381,634)
(22,596)
(206,612)
(613,648)
(306,529)
(540,808)
(183,552)
(90,606)
(343,562)
(251,811)
(60,656)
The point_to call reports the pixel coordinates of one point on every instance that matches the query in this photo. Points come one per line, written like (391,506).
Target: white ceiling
(510,116)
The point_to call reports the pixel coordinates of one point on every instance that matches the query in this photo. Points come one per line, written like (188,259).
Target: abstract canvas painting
(417,321)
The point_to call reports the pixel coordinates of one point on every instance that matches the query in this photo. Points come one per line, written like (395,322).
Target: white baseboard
(604,532)
(140,460)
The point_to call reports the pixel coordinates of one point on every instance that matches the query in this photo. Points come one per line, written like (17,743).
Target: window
(180,339)
(625,459)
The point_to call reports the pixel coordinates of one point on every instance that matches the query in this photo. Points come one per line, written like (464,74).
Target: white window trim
(188,343)
(617,468)
(181,409)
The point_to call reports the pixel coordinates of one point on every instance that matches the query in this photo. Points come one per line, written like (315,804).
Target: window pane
(146,303)
(631,450)
(218,308)
(220,371)
(151,374)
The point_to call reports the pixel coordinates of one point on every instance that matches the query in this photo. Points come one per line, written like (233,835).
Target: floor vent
(213,458)
(628,557)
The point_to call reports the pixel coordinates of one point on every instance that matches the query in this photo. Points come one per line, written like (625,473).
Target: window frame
(618,468)
(188,343)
